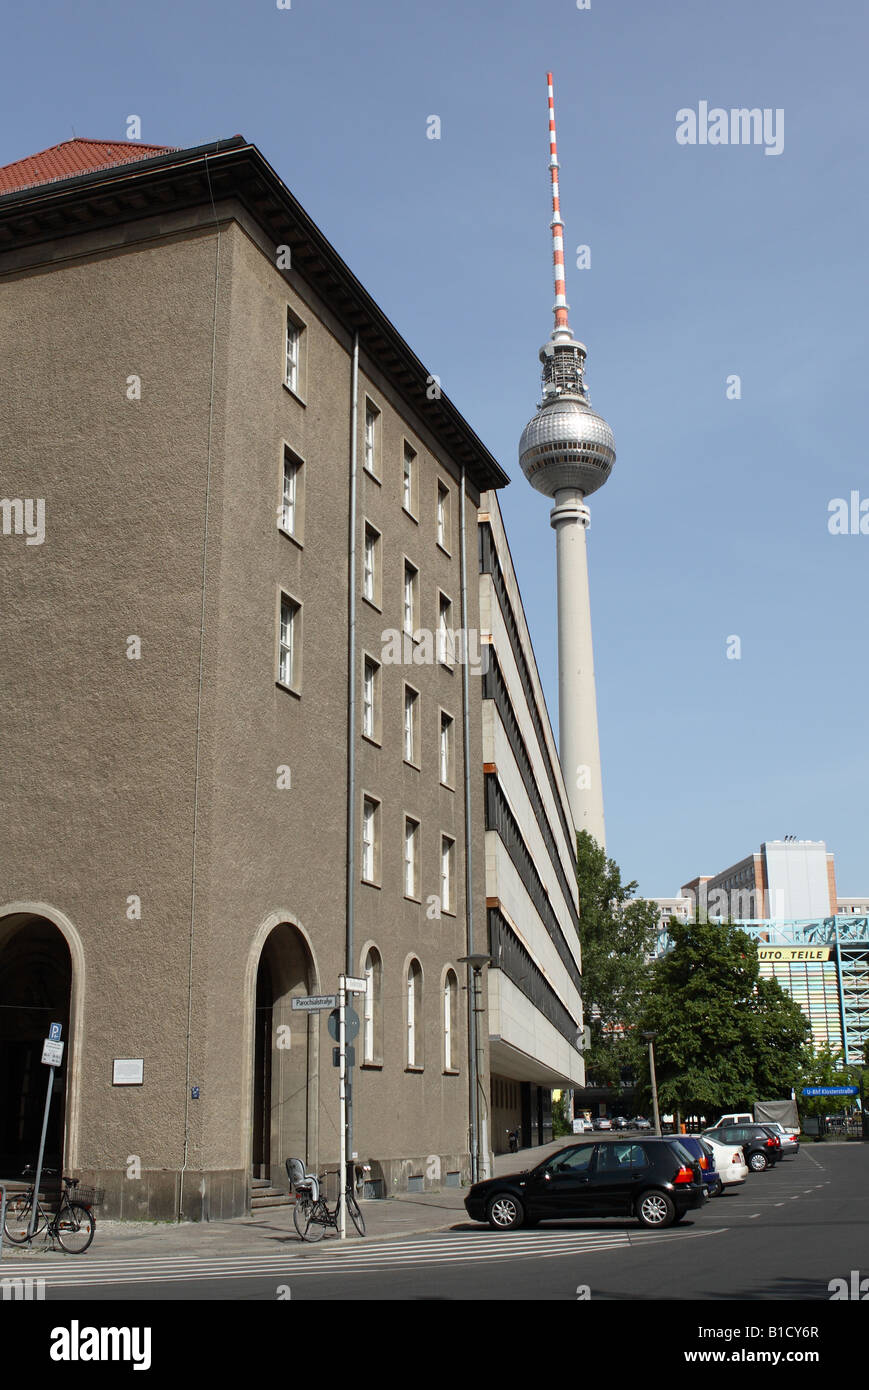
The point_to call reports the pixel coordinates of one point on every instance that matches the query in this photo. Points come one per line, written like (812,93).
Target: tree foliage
(617,932)
(725,1037)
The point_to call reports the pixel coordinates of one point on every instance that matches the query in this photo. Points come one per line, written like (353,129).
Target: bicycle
(311,1213)
(72,1225)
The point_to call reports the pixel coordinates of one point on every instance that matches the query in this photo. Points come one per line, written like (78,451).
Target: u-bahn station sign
(803,953)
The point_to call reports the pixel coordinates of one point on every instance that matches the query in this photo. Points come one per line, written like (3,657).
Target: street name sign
(830,1090)
(354,985)
(313,1002)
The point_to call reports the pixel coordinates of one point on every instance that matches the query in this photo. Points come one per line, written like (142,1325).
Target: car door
(611,1180)
(562,1187)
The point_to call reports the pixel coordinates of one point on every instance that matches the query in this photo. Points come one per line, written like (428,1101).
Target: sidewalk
(273,1230)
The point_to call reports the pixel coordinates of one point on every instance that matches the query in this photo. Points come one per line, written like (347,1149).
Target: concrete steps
(263,1195)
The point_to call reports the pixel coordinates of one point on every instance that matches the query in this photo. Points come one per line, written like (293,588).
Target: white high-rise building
(567,451)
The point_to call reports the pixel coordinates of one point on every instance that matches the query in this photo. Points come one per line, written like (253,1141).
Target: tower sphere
(567,445)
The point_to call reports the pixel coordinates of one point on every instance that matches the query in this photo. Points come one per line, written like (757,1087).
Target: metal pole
(2,1215)
(342,1098)
(657,1113)
(482,1128)
(34,1209)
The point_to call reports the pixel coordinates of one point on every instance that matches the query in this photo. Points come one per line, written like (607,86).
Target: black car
(761,1147)
(655,1180)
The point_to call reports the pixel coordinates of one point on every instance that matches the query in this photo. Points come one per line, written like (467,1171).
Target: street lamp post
(650,1039)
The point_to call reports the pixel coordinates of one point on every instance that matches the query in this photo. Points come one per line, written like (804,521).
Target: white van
(745,1118)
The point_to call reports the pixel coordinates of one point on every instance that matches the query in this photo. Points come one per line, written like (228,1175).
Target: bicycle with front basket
(72,1225)
(312,1215)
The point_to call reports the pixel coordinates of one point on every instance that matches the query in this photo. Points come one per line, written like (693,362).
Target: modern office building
(239,560)
(532,909)
(784,878)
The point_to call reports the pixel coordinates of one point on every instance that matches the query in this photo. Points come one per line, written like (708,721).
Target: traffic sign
(351,1025)
(350,1053)
(313,1002)
(54,1032)
(52,1053)
(830,1090)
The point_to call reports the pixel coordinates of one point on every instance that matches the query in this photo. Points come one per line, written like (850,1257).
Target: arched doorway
(35,990)
(284,1055)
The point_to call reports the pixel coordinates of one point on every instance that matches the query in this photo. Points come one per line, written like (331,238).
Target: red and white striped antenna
(561,306)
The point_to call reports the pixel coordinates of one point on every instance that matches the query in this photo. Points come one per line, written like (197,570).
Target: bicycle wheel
(19,1210)
(355,1213)
(318,1220)
(301,1215)
(74,1228)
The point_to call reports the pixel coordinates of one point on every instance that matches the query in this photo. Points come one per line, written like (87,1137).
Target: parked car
(761,1149)
(744,1117)
(638,1122)
(655,1180)
(706,1158)
(790,1143)
(619,1122)
(602,1123)
(730,1164)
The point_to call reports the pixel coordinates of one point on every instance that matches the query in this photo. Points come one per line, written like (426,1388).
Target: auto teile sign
(773,953)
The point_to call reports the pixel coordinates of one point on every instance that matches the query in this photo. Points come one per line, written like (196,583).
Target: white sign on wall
(128,1071)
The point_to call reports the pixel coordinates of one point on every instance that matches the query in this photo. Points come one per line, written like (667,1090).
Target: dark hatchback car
(762,1148)
(655,1180)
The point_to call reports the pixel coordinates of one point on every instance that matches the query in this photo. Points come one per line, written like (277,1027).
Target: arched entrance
(35,991)
(284,1055)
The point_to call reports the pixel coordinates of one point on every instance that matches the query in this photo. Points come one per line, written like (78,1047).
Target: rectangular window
(446,749)
(411,590)
(294,367)
(371,584)
(446,653)
(411,725)
(291,514)
(372,438)
(411,858)
(288,658)
(443,518)
(409,480)
(448,854)
(370,839)
(371,699)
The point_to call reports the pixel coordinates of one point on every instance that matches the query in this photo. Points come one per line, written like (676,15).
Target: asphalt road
(784,1235)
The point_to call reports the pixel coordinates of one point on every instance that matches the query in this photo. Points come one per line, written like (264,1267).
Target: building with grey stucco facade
(243,737)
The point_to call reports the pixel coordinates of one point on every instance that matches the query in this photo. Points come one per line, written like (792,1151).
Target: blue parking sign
(54,1032)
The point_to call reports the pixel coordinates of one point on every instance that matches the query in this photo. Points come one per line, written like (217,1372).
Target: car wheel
(505,1212)
(717,1189)
(655,1209)
(757,1162)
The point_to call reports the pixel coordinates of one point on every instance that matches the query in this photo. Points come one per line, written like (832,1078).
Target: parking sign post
(52,1056)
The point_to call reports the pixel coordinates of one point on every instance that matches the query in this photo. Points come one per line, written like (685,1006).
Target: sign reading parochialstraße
(313,1002)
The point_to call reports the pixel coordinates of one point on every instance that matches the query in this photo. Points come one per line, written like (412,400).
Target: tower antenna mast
(561,305)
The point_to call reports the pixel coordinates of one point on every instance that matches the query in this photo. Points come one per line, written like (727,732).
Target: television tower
(567,451)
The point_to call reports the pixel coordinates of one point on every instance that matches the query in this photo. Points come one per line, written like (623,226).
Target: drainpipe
(351,721)
(473,1017)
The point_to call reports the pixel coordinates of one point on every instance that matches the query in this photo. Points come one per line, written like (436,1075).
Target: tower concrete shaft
(578,744)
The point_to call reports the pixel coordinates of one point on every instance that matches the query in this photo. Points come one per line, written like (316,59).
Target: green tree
(617,932)
(725,1038)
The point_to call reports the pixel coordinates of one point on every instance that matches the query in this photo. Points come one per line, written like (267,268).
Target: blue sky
(706,261)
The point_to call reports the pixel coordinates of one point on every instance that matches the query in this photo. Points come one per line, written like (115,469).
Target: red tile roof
(74,157)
